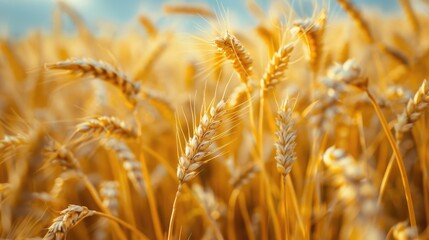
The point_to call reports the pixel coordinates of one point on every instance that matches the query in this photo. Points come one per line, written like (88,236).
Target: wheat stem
(173,213)
(398,156)
(151,198)
(93,191)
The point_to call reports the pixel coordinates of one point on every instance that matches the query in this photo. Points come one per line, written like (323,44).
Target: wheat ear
(354,78)
(415,108)
(405,123)
(106,125)
(72,215)
(193,158)
(109,192)
(235,52)
(197,148)
(312,33)
(189,9)
(358,194)
(59,154)
(277,67)
(64,157)
(131,165)
(69,218)
(148,25)
(285,144)
(98,69)
(285,150)
(357,18)
(243,176)
(11,141)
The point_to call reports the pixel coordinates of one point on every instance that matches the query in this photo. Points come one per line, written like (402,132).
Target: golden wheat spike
(234,51)
(98,69)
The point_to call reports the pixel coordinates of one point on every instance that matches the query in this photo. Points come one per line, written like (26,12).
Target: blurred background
(17,17)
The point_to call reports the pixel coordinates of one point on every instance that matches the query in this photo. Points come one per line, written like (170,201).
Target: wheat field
(297,127)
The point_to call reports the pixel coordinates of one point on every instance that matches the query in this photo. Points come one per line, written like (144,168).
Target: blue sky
(19,16)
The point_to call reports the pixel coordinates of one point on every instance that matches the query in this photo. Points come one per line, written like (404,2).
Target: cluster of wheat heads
(299,127)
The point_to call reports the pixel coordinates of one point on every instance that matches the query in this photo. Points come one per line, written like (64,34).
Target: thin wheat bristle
(414,109)
(277,67)
(189,9)
(108,125)
(99,69)
(69,218)
(129,162)
(357,18)
(285,144)
(197,147)
(235,52)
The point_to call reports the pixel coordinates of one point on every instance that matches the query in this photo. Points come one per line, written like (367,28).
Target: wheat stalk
(99,69)
(108,125)
(235,52)
(193,158)
(277,67)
